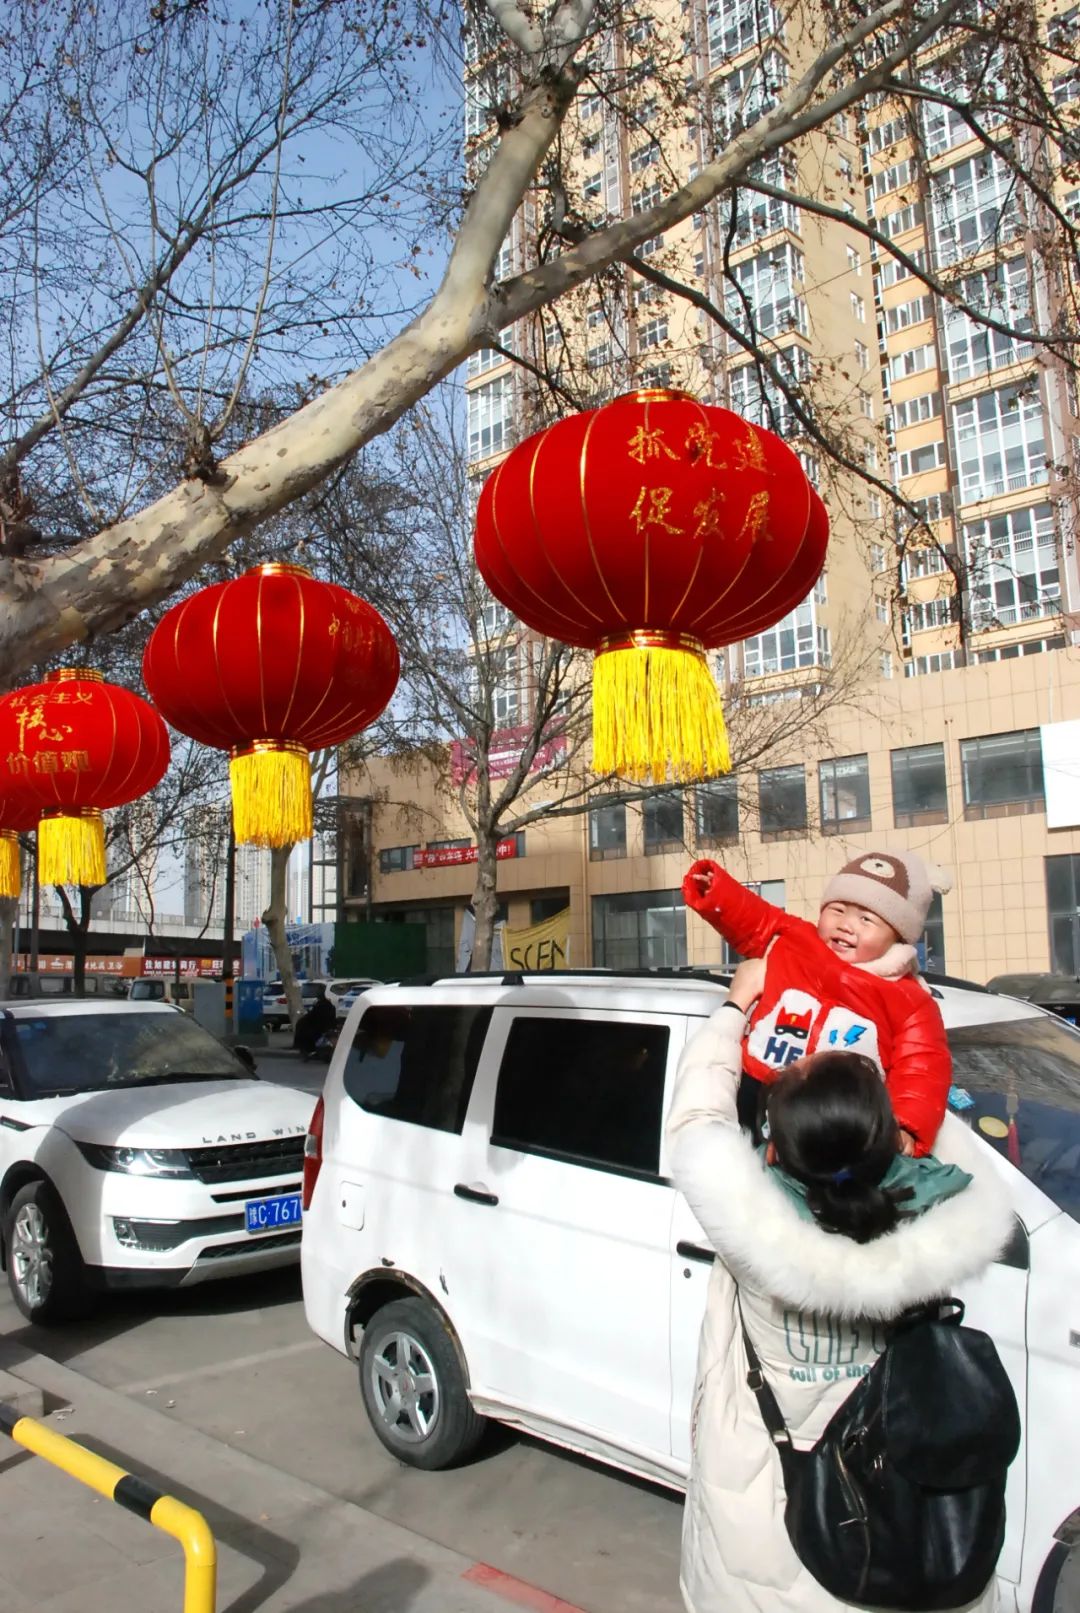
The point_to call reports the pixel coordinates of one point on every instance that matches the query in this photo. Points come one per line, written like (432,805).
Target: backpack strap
(771,1415)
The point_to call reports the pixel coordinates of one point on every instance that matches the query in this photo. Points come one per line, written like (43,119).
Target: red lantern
(15,819)
(70,747)
(650,531)
(269,667)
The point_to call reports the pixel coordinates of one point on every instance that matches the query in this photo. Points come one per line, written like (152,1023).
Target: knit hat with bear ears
(896,885)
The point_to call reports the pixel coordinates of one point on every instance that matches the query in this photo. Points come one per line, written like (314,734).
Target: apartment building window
(920,791)
(885,664)
(716,812)
(662,820)
(744,96)
(922,615)
(756,215)
(643,157)
(858,307)
(1000,441)
(1013,567)
(935,507)
(766,285)
(921,666)
(854,261)
(1004,292)
(844,168)
(877,557)
(925,562)
(782,800)
(397,859)
(884,135)
(590,107)
(760,400)
(654,244)
(795,641)
(642,200)
(917,461)
(891,272)
(873,505)
(913,361)
(493,618)
(1063,912)
(904,314)
(886,179)
(866,405)
(1002,774)
(913,411)
(932,945)
(504,670)
(845,794)
(639,930)
(489,413)
(882,610)
(735,25)
(905,218)
(974,206)
(963,78)
(1029,646)
(607,831)
(652,333)
(862,356)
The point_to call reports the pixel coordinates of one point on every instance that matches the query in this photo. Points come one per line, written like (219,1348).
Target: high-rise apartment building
(962,630)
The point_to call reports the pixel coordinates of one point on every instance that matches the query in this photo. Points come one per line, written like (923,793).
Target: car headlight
(136,1161)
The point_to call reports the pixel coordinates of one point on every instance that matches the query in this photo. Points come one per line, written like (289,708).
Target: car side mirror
(246,1057)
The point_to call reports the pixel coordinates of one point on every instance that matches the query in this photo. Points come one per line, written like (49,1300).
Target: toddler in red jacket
(850,982)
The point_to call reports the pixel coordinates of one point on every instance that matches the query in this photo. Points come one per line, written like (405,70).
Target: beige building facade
(962,632)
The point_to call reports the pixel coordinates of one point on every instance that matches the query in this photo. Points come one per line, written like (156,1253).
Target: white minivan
(490,1229)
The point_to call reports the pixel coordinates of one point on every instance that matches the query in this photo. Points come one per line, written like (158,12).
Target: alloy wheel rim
(405,1388)
(31,1255)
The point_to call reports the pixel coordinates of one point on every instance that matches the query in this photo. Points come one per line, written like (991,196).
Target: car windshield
(66,1053)
(1023,1079)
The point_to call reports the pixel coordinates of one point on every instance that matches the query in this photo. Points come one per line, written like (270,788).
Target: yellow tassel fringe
(10,870)
(657,714)
(71,851)
(271,795)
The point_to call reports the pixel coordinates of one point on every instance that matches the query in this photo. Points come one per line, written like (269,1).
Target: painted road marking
(214,1369)
(517,1591)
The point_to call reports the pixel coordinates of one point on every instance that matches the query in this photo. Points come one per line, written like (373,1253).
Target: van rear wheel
(414,1389)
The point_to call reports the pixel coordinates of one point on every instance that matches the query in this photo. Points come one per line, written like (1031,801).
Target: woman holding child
(824,1232)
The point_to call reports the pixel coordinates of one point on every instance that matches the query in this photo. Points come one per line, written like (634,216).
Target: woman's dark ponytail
(860,1210)
(832,1125)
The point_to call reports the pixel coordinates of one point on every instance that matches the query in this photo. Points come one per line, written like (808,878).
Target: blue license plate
(263,1215)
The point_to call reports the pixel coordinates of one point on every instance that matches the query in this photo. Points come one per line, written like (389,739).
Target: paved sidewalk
(282,1544)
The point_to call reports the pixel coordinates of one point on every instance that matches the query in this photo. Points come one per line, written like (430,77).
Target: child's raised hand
(701,878)
(747,983)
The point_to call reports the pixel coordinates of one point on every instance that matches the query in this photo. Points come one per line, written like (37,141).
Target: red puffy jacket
(813,1000)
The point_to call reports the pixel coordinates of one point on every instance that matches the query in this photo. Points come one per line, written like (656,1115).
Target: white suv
(491,1232)
(136,1151)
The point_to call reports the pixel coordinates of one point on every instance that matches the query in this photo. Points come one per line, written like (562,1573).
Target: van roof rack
(688,972)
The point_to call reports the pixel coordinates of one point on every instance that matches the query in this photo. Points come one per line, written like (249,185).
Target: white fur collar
(900,959)
(752,1223)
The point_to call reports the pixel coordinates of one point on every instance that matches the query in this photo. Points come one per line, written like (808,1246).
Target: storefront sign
(457,856)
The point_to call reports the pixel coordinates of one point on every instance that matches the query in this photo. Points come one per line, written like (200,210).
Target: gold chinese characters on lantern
(651,531)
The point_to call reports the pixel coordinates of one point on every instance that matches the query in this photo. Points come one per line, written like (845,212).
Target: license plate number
(265,1214)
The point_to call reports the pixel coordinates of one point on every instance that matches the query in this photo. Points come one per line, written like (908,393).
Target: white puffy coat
(810,1300)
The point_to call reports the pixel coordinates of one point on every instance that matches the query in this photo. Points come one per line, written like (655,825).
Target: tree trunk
(9,907)
(274,919)
(79,930)
(485,897)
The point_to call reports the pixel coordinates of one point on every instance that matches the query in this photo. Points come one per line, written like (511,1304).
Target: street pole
(35,922)
(228,926)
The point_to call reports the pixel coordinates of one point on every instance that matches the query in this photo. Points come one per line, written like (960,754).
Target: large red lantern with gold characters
(650,531)
(269,667)
(69,748)
(15,819)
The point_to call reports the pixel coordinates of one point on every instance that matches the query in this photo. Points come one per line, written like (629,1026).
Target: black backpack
(901,1503)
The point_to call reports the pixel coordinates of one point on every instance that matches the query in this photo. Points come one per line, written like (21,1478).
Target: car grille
(229,1251)
(247,1162)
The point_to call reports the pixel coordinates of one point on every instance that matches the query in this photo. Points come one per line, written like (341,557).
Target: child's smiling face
(853,932)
